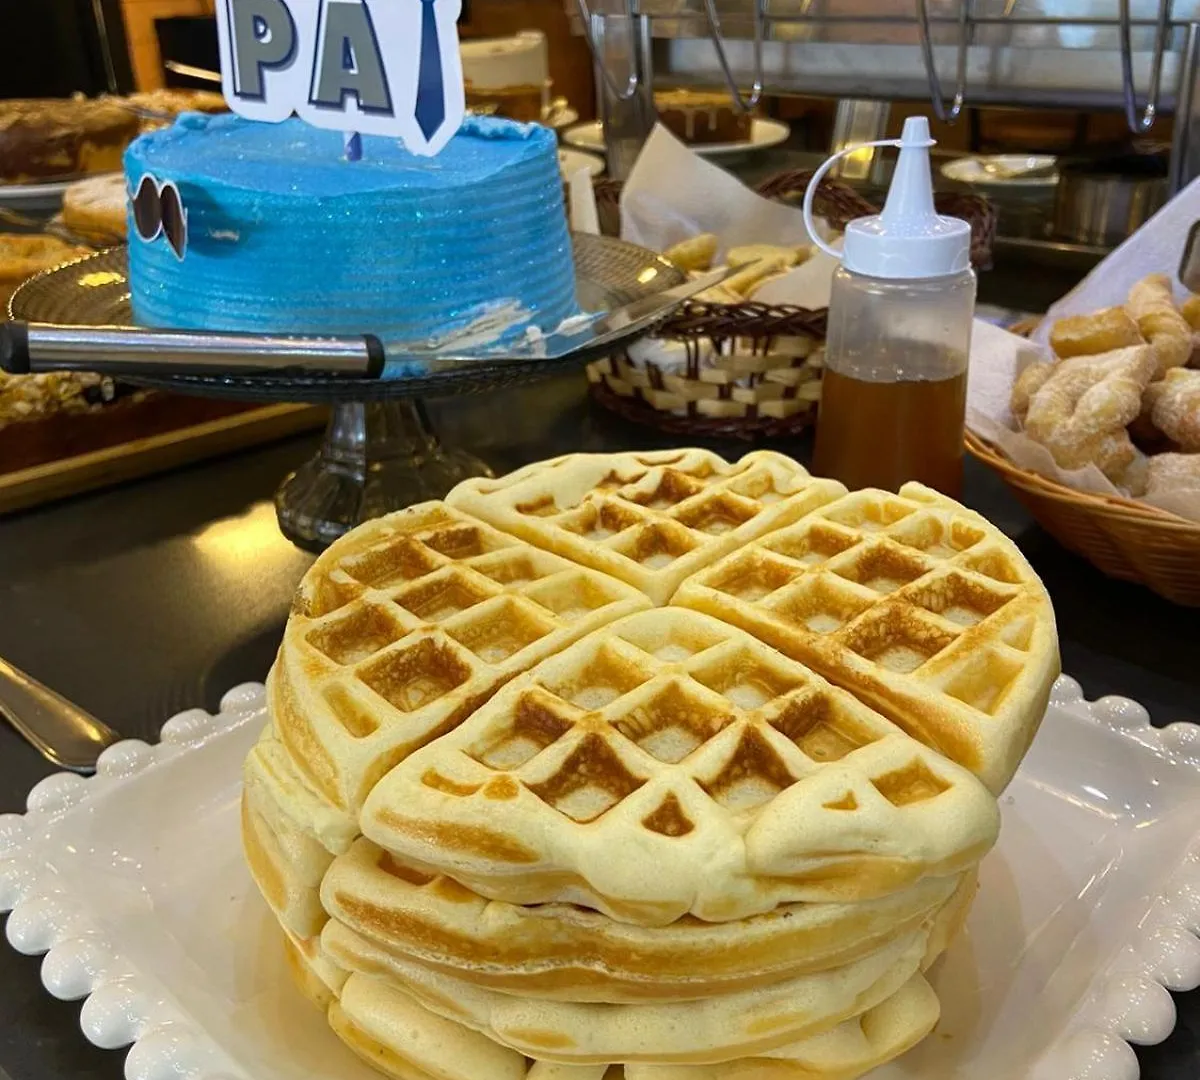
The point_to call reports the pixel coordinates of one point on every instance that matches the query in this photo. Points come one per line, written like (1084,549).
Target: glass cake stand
(380,451)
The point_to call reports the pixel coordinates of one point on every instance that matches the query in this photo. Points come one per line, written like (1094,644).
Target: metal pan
(1102,201)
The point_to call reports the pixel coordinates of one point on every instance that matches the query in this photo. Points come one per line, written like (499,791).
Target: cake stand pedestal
(376,457)
(380,451)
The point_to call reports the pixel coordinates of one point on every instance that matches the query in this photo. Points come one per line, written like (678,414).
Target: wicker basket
(1120,537)
(764,378)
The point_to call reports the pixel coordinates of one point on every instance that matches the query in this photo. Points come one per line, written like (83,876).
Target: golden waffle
(921,608)
(652,518)
(276,864)
(563,952)
(403,626)
(694,751)
(283,793)
(854,1047)
(318,978)
(289,836)
(393,1033)
(708,1031)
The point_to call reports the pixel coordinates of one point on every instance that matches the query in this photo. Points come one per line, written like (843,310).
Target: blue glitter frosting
(284,235)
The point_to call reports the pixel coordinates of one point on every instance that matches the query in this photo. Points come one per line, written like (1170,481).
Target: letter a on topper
(375,67)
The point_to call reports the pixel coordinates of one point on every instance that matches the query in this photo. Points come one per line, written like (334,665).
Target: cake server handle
(27,347)
(62,732)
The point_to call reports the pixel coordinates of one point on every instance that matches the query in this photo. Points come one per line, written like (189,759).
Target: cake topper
(375,67)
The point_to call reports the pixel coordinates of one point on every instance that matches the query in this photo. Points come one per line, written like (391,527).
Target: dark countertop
(157,596)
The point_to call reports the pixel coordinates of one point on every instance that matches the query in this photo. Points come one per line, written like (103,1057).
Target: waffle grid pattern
(647,519)
(395,640)
(910,601)
(699,747)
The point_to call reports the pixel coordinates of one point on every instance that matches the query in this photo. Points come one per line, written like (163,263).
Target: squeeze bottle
(894,390)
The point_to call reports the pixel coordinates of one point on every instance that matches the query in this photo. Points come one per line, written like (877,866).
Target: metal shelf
(1140,56)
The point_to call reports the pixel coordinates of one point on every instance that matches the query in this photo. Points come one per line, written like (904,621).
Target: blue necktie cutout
(431,104)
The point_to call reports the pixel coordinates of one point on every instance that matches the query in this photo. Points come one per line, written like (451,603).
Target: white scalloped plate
(132,883)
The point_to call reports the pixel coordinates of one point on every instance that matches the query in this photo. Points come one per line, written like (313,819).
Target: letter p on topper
(377,67)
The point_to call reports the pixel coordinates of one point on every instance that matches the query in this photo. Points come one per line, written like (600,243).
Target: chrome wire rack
(1141,57)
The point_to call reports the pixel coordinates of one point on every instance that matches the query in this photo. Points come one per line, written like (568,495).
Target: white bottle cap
(909,239)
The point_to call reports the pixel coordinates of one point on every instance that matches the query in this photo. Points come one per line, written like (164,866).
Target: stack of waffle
(643,762)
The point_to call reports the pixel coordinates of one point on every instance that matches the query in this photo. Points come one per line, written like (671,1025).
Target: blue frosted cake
(268,228)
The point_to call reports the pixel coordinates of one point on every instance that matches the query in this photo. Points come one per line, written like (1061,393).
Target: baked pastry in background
(26,398)
(96,208)
(702,116)
(33,397)
(1151,305)
(1174,404)
(508,76)
(24,254)
(171,102)
(159,108)
(1088,335)
(1081,412)
(1168,473)
(49,138)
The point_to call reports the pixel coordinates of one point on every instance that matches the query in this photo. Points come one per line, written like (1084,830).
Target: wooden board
(37,484)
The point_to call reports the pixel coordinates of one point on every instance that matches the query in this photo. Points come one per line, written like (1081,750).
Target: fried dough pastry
(695,253)
(1135,475)
(750,275)
(1095,333)
(1174,406)
(718,294)
(1190,310)
(1151,304)
(1080,412)
(746,254)
(1173,472)
(1028,383)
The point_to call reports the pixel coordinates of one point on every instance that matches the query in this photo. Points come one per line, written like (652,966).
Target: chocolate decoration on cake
(147,209)
(174,219)
(158,210)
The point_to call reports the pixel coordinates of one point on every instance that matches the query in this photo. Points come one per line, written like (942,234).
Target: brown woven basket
(1120,537)
(769,393)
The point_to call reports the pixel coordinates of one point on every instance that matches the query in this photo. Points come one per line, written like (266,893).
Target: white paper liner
(808,285)
(584,216)
(1155,248)
(997,357)
(670,357)
(673,194)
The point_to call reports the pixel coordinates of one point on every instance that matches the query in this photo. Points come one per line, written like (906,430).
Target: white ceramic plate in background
(763,134)
(560,115)
(133,885)
(1003,170)
(570,161)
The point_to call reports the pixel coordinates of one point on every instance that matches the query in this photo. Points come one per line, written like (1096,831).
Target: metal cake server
(62,732)
(32,347)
